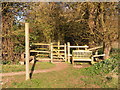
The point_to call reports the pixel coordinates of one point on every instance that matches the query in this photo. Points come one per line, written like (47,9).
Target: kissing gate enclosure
(55,51)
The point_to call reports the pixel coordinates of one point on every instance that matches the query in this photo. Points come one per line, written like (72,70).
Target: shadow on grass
(32,69)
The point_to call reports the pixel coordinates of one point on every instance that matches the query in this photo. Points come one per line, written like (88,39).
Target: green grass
(96,76)
(68,78)
(17,68)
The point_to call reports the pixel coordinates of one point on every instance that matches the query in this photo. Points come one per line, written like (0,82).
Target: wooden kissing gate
(57,52)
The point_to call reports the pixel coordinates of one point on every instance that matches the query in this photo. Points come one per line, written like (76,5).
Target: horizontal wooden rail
(39,58)
(78,46)
(42,55)
(59,54)
(39,44)
(57,57)
(57,45)
(55,42)
(43,48)
(70,55)
(98,55)
(40,51)
(82,59)
(95,48)
(58,50)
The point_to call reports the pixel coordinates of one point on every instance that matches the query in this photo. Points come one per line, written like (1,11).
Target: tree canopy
(82,23)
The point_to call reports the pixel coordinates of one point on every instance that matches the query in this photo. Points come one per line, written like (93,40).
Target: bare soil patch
(59,66)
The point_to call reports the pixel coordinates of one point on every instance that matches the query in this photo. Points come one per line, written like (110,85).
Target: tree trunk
(107,49)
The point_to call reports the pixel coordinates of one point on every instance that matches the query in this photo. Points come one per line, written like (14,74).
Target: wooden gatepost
(51,51)
(27,50)
(68,51)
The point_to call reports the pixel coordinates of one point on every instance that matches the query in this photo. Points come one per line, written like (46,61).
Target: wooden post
(51,52)
(96,52)
(85,48)
(92,60)
(68,43)
(58,48)
(27,49)
(49,49)
(65,52)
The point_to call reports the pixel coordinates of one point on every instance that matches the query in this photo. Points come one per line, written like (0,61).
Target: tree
(12,31)
(45,20)
(103,23)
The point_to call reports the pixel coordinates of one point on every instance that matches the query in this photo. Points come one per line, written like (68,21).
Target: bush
(6,62)
(106,66)
(115,50)
(103,67)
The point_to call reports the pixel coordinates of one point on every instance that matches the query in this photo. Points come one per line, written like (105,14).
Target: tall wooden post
(68,43)
(51,52)
(65,52)
(27,49)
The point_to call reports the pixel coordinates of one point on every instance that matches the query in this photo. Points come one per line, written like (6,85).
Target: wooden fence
(57,51)
(41,51)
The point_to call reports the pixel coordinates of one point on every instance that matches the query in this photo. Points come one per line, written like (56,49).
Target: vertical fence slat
(51,52)
(65,53)
(59,48)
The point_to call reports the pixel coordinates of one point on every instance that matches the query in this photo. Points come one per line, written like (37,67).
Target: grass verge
(17,68)
(101,75)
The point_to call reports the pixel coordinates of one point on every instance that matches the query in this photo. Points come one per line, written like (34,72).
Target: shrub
(103,67)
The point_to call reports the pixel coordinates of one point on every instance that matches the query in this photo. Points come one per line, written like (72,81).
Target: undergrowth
(104,67)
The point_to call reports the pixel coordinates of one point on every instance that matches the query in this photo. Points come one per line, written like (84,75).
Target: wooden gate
(58,52)
(49,52)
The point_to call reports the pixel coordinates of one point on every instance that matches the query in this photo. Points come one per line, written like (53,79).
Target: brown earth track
(59,66)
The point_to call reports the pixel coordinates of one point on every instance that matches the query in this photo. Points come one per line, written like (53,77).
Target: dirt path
(59,66)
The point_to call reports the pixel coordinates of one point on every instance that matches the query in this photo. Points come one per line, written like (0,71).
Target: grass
(17,68)
(68,78)
(96,76)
